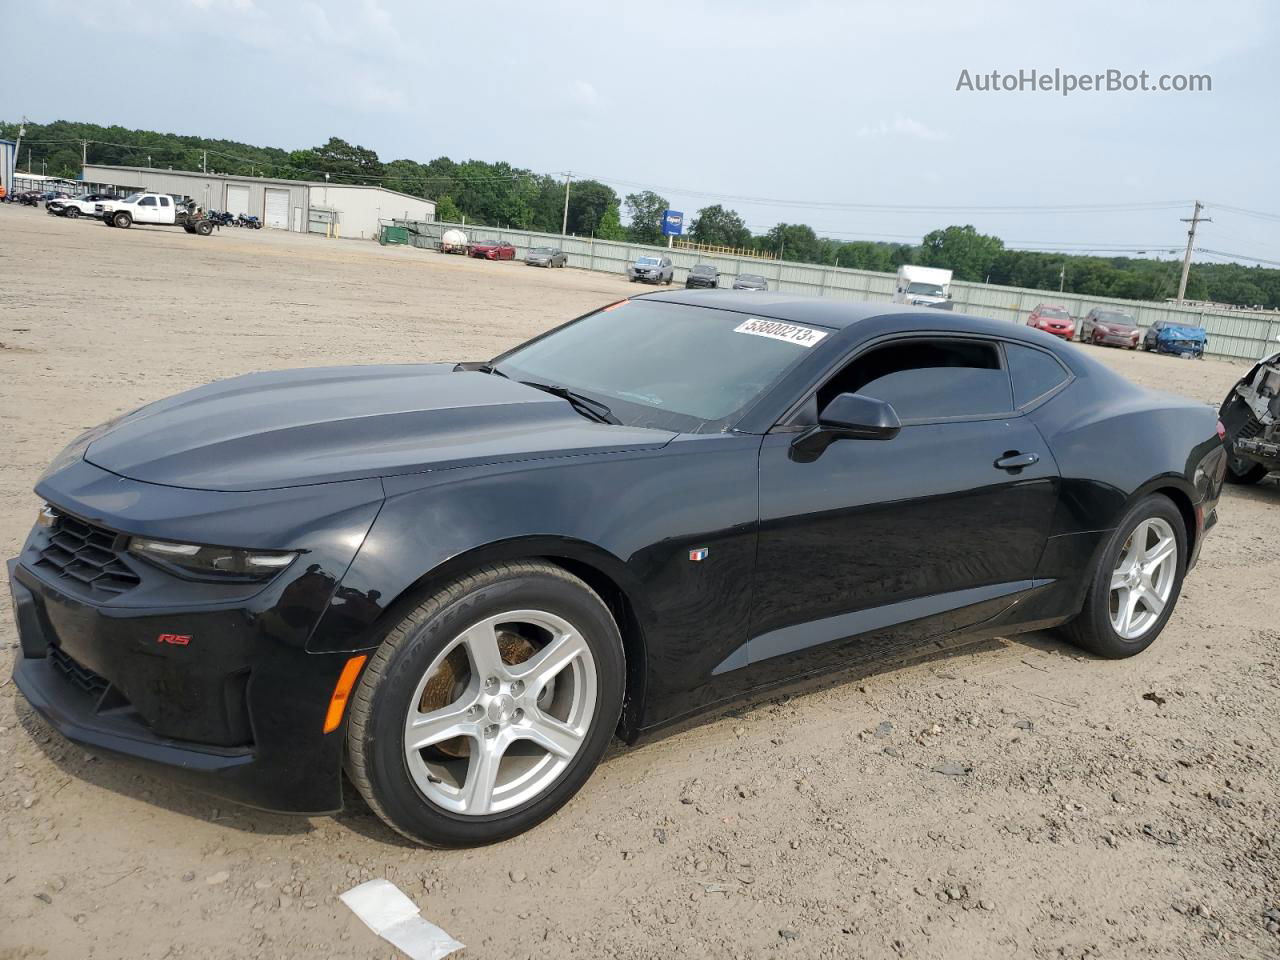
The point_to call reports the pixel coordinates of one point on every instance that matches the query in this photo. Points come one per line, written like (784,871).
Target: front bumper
(1115,339)
(1180,347)
(252,711)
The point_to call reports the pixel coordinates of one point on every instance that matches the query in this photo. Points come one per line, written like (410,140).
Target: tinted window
(147,202)
(164,201)
(929,379)
(648,360)
(1034,372)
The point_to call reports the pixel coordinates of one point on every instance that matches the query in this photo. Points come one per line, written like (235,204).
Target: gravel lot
(1123,809)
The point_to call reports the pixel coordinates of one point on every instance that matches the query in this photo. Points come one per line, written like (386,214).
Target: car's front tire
(1136,583)
(488,706)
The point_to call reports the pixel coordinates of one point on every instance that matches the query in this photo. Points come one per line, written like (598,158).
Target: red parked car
(493,250)
(1052,319)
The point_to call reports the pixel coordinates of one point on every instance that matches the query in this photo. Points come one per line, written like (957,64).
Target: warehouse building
(345,210)
(7,161)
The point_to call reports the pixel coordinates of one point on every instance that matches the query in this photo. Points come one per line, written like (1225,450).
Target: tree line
(501,195)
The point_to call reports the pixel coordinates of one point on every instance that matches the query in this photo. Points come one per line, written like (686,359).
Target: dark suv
(703,275)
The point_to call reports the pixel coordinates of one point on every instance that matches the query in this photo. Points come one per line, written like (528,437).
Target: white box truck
(923,287)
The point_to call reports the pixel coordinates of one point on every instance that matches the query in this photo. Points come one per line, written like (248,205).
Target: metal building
(7,163)
(342,210)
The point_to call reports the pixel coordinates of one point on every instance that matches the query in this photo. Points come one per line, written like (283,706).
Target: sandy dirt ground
(1113,809)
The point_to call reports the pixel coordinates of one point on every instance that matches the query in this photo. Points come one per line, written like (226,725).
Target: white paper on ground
(391,915)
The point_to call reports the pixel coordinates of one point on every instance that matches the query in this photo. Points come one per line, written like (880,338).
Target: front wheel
(488,706)
(1136,582)
(72,212)
(122,220)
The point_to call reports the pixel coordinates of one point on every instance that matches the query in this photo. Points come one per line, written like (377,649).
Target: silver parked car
(750,281)
(651,270)
(546,257)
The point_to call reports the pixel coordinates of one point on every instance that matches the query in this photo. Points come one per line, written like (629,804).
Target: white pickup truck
(77,206)
(157,208)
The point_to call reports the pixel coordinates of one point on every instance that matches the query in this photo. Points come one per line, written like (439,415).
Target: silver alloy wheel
(506,731)
(1143,578)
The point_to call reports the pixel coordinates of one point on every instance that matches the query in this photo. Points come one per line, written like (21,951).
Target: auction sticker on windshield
(776,330)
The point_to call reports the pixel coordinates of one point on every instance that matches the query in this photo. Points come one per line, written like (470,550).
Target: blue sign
(672,223)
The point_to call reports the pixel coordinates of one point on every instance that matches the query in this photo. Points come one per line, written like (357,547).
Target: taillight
(1222,431)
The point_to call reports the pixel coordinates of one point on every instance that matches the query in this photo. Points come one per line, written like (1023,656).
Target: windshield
(542,251)
(1107,316)
(750,278)
(133,198)
(700,268)
(647,361)
(925,289)
(1054,313)
(648,261)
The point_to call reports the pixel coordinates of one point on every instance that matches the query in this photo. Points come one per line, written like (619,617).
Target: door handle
(1014,461)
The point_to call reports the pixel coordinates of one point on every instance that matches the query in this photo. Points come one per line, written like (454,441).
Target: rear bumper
(81,668)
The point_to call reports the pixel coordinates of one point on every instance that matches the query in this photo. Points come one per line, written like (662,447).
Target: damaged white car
(1251,417)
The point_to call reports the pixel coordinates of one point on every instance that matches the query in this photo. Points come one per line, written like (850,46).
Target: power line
(1238,256)
(1260,214)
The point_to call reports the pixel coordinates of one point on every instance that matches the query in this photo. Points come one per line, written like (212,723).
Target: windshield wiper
(586,406)
(490,368)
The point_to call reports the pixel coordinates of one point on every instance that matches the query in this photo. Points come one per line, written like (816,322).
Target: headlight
(212,563)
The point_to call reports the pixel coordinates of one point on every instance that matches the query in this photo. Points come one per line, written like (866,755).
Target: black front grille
(86,557)
(82,677)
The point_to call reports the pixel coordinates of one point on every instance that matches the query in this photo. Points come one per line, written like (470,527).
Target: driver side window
(928,379)
(147,202)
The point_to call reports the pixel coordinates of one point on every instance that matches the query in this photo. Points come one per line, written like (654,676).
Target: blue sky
(840,103)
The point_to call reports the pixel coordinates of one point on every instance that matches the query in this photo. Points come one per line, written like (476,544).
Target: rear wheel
(1136,583)
(488,706)
(204,228)
(72,212)
(1244,471)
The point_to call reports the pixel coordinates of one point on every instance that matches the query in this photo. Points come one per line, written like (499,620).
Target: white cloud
(901,126)
(585,93)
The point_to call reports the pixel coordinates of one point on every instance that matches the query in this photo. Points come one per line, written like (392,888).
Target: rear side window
(929,379)
(1034,373)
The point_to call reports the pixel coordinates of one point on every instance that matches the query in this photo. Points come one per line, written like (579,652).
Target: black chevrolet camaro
(457,583)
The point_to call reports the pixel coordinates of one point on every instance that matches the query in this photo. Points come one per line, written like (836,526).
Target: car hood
(1181,333)
(298,427)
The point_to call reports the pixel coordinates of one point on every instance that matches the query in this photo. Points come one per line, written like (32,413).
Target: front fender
(633,520)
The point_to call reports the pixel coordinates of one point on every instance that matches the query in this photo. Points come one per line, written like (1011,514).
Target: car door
(887,542)
(147,210)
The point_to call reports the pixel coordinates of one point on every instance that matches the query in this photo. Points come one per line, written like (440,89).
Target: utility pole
(17,147)
(84,154)
(204,161)
(564,224)
(1062,276)
(1194,220)
(28,160)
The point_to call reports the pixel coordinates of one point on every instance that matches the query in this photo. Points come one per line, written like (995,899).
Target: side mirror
(849,416)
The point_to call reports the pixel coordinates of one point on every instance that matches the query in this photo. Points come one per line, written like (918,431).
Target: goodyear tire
(488,706)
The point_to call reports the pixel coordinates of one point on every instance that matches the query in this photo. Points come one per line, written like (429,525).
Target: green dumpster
(393,235)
